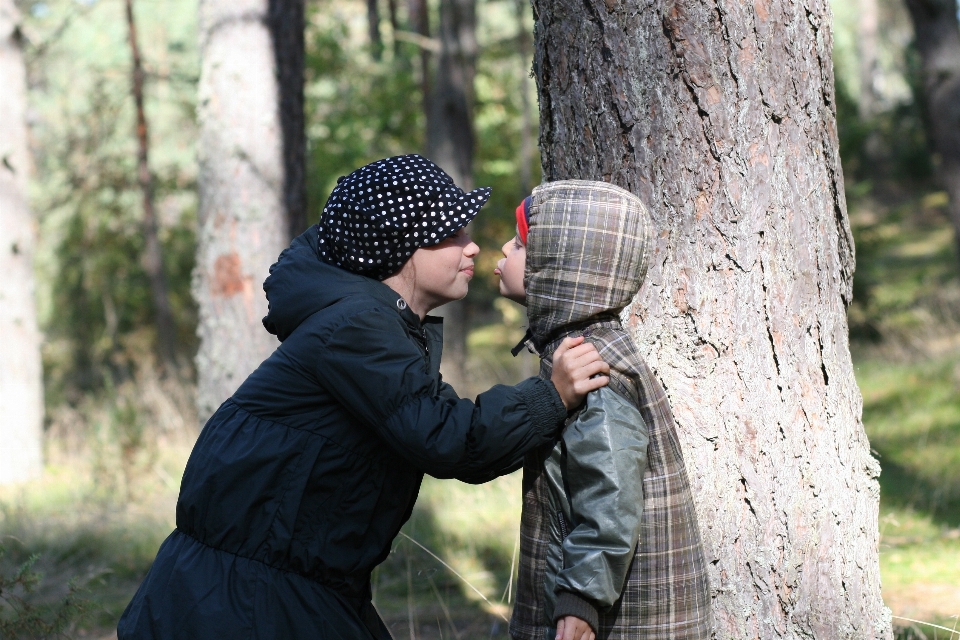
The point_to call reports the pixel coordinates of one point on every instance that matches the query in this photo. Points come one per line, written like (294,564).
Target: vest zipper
(563,526)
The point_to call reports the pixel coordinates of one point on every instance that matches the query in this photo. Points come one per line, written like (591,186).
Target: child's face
(510,269)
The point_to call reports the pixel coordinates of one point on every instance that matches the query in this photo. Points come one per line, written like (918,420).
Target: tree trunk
(450,144)
(526,116)
(938,40)
(21,378)
(419,16)
(867,50)
(153,254)
(242,213)
(286,24)
(373,29)
(721,116)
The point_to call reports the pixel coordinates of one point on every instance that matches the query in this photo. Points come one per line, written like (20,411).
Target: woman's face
(442,273)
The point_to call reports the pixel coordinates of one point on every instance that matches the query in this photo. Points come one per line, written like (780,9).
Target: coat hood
(587,249)
(301,284)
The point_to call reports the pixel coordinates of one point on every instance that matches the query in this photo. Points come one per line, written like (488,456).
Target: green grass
(912,417)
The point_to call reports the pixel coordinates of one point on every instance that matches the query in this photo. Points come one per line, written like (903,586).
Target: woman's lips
(468,271)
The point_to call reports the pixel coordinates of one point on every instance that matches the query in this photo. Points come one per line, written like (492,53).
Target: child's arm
(606,458)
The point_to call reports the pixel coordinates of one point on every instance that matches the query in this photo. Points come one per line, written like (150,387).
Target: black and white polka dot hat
(377,216)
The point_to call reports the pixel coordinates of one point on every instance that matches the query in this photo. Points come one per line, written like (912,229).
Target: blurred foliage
(94,298)
(360,109)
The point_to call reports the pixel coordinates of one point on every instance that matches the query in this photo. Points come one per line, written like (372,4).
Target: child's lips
(496,271)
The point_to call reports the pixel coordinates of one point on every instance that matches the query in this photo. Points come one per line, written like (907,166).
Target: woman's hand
(573,628)
(574,365)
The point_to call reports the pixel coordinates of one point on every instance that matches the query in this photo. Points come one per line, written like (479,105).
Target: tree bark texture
(937,32)
(450,143)
(153,253)
(721,116)
(242,214)
(21,377)
(286,23)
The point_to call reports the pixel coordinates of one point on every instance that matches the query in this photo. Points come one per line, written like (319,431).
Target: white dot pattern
(377,216)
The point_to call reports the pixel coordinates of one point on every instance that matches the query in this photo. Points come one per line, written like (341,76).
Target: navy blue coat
(299,483)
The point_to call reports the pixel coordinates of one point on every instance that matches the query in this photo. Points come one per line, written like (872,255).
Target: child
(617,476)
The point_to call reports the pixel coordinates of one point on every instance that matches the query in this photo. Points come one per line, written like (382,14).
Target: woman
(300,481)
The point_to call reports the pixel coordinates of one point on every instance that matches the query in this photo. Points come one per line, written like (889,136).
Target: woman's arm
(380,377)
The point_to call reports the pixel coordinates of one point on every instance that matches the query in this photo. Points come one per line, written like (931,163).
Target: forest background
(78,541)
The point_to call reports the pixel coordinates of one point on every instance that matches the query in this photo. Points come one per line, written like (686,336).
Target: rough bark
(21,382)
(286,24)
(153,254)
(938,40)
(242,215)
(721,116)
(450,144)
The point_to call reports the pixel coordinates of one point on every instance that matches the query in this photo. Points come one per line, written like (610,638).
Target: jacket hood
(301,284)
(587,249)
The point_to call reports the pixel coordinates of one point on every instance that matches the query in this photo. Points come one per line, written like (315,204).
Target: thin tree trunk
(524,46)
(242,213)
(373,29)
(938,40)
(286,23)
(867,49)
(420,21)
(721,116)
(153,253)
(21,378)
(450,144)
(394,27)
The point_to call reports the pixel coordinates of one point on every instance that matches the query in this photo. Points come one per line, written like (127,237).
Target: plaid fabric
(586,254)
(666,595)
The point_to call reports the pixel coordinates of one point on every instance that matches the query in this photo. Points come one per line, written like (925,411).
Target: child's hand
(574,364)
(573,628)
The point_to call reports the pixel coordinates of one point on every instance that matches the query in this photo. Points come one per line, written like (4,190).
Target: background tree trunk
(373,29)
(286,23)
(153,253)
(867,50)
(21,381)
(450,144)
(721,116)
(243,221)
(938,40)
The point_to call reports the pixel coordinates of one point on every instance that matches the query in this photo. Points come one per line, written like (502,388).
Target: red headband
(523,219)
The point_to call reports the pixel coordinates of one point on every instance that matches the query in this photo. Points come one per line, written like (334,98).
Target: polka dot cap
(377,216)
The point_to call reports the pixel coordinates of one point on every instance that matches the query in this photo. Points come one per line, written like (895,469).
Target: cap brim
(459,214)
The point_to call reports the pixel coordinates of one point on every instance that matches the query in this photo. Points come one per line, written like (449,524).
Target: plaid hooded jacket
(586,258)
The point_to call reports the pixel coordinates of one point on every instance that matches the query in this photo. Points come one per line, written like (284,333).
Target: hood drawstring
(526,341)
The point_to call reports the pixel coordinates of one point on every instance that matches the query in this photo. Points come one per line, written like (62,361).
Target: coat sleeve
(606,457)
(380,376)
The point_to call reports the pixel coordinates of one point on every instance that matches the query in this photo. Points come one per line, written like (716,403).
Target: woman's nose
(471,249)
